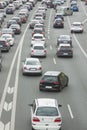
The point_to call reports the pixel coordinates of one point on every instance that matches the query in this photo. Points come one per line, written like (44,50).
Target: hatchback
(64,50)
(45,114)
(53,81)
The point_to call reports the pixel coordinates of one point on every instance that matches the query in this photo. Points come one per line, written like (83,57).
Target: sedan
(38,50)
(37,37)
(64,38)
(9,38)
(32,66)
(77,27)
(64,50)
(16,28)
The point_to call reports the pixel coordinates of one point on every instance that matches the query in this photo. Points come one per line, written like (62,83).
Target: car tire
(32,128)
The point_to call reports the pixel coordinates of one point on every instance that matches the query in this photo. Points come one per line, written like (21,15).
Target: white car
(38,50)
(9,38)
(77,27)
(37,38)
(32,66)
(45,114)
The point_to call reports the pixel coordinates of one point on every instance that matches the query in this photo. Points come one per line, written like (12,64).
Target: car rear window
(47,111)
(38,47)
(49,78)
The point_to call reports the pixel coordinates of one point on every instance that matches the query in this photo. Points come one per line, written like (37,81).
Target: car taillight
(35,119)
(25,68)
(45,51)
(39,68)
(58,120)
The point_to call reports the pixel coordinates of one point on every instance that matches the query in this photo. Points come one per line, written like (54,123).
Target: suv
(53,80)
(45,114)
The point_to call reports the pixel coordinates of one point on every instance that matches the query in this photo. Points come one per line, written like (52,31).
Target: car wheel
(71,31)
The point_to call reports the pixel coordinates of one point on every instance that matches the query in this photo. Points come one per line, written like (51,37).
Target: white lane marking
(70,111)
(10,90)
(54,60)
(7,106)
(51,47)
(1,126)
(85,54)
(82,50)
(16,80)
(8,80)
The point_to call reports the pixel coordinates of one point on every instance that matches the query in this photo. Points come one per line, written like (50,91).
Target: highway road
(17,91)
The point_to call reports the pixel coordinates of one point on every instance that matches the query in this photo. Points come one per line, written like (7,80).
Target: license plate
(48,87)
(65,54)
(32,69)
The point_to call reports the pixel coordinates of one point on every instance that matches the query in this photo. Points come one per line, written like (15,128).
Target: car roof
(64,36)
(52,73)
(46,102)
(38,34)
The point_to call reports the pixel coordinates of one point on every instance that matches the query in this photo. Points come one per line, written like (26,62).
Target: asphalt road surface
(17,91)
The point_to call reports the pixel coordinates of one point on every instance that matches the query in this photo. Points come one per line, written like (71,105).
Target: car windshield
(49,78)
(6,36)
(47,111)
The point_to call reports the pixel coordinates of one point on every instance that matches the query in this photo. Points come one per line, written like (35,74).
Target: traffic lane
(31,90)
(7,57)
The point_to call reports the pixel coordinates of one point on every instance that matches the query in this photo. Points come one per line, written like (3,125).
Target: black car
(53,81)
(58,23)
(64,50)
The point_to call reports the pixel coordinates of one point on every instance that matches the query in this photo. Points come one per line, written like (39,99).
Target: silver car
(38,50)
(32,66)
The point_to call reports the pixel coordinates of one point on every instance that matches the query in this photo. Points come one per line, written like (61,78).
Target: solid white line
(70,111)
(54,60)
(82,50)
